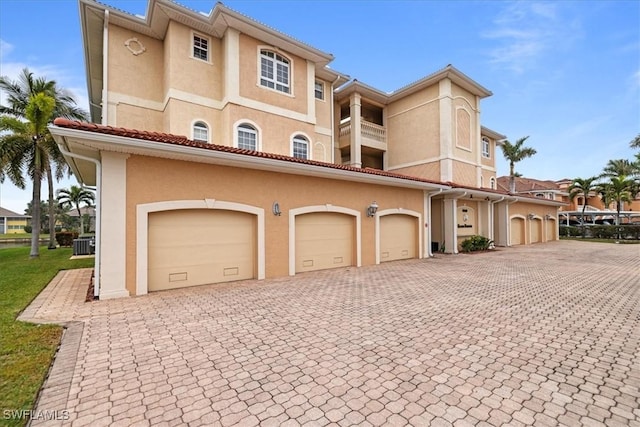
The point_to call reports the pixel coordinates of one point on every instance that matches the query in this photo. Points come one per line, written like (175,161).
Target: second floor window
(247,137)
(485,148)
(300,147)
(274,71)
(200,47)
(200,132)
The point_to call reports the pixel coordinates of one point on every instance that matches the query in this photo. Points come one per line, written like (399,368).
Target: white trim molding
(398,211)
(321,208)
(309,143)
(142,232)
(255,126)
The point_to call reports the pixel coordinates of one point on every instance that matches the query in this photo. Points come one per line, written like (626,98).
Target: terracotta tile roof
(527,184)
(165,138)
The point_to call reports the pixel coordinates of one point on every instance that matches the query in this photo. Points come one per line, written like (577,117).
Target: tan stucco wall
(176,180)
(180,116)
(465,134)
(323,107)
(141,75)
(491,160)
(249,84)
(430,171)
(465,174)
(413,128)
(486,178)
(524,209)
(187,74)
(133,117)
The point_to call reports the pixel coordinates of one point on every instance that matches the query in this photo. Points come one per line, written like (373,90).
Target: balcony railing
(370,132)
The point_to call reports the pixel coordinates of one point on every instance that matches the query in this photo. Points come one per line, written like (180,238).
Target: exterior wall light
(530,216)
(547,217)
(276,209)
(372,208)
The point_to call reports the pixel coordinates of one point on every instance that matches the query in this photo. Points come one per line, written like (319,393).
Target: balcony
(373,135)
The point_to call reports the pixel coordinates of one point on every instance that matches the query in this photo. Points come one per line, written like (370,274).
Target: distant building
(11,222)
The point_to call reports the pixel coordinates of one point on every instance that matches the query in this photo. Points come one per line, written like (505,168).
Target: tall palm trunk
(81,220)
(52,211)
(512,178)
(35,220)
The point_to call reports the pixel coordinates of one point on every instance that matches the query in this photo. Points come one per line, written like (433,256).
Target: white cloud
(5,49)
(524,31)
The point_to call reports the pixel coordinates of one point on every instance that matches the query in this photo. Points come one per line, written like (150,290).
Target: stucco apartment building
(225,150)
(12,222)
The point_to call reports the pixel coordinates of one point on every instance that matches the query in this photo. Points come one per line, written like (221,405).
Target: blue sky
(566,73)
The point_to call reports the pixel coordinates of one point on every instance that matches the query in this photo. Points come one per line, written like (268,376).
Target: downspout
(96,283)
(105,69)
(333,120)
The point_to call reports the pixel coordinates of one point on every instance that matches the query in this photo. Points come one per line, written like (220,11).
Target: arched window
(492,183)
(275,71)
(200,132)
(247,137)
(300,147)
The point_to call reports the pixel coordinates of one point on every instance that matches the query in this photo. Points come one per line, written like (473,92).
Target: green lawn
(589,239)
(21,236)
(26,350)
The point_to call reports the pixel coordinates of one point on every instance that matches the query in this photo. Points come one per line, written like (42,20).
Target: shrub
(476,243)
(65,238)
(570,231)
(28,229)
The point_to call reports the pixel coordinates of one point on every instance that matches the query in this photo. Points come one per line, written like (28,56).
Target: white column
(113,225)
(446,132)
(311,92)
(232,64)
(356,130)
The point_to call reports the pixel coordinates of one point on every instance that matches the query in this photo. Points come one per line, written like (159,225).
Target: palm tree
(22,145)
(619,189)
(74,197)
(515,153)
(635,143)
(619,167)
(582,187)
(18,94)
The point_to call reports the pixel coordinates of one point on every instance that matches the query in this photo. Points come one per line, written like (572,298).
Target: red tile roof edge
(181,140)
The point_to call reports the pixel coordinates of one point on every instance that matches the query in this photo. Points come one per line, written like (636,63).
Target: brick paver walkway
(540,335)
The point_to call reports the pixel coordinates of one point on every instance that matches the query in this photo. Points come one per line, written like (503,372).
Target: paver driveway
(540,335)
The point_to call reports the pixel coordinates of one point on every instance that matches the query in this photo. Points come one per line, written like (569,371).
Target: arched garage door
(324,240)
(517,231)
(398,237)
(200,246)
(536,230)
(551,230)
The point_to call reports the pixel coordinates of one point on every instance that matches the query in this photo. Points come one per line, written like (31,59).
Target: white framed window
(319,90)
(275,71)
(492,183)
(486,151)
(247,137)
(200,132)
(200,47)
(300,147)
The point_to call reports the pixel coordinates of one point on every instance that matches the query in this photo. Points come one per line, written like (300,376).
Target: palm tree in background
(582,187)
(619,189)
(23,144)
(75,197)
(619,167)
(515,153)
(18,94)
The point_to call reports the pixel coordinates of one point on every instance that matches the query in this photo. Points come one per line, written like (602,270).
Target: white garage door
(536,231)
(517,231)
(200,246)
(324,240)
(398,237)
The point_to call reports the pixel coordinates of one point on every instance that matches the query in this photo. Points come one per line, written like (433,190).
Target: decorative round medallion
(135,46)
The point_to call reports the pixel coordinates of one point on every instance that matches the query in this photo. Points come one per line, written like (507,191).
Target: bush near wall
(570,231)
(476,243)
(65,238)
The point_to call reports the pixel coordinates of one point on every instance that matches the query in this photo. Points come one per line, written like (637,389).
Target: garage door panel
(324,240)
(196,247)
(551,230)
(536,228)
(398,237)
(517,231)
